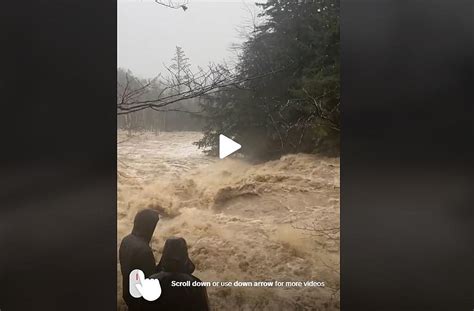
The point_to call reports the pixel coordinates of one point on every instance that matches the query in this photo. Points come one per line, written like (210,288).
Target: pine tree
(180,68)
(297,108)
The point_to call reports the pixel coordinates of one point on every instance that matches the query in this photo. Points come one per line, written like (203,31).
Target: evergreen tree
(295,109)
(179,67)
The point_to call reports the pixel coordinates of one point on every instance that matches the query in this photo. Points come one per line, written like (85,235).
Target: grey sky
(148,33)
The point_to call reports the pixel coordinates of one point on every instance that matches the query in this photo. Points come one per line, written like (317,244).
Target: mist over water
(240,219)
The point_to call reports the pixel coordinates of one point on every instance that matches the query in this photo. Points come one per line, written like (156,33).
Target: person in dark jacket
(175,265)
(135,253)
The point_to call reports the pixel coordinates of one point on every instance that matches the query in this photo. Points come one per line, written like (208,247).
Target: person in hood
(135,253)
(176,266)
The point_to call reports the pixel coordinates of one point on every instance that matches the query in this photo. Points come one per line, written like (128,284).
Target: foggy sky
(148,33)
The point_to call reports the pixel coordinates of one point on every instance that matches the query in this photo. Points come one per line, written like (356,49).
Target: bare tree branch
(188,85)
(174,4)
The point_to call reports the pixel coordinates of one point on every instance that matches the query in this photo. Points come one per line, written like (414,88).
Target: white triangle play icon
(227,146)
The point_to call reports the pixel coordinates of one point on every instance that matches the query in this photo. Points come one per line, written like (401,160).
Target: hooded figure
(175,265)
(175,257)
(136,253)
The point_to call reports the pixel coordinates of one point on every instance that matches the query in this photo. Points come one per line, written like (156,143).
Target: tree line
(282,97)
(181,115)
(297,109)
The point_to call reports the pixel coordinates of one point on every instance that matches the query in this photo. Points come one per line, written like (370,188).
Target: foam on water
(242,221)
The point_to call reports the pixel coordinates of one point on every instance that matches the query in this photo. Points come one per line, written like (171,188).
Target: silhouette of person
(175,265)
(135,253)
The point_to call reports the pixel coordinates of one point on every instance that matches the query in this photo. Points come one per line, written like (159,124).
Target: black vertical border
(407,200)
(58,155)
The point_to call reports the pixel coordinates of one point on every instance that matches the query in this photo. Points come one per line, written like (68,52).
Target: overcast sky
(148,33)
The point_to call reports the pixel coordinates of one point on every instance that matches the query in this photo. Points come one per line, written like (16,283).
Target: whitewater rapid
(276,221)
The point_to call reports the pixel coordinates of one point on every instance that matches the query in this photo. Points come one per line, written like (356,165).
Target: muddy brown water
(276,221)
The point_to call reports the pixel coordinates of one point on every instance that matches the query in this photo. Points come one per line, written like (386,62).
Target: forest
(282,96)
(280,194)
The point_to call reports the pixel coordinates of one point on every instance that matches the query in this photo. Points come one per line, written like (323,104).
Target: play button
(227,146)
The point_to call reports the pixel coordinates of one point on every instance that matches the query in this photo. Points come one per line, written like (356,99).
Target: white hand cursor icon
(150,289)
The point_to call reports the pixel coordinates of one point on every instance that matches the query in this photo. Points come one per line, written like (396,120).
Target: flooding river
(276,221)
